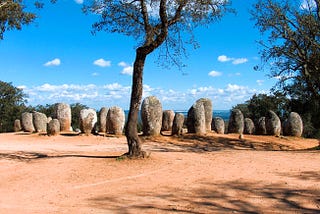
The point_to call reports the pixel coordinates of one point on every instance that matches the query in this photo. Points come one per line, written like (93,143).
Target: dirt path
(211,174)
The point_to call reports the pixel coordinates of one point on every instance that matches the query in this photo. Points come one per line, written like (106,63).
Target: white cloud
(54,62)
(79,1)
(224,58)
(127,69)
(214,73)
(115,94)
(102,63)
(95,74)
(235,61)
(260,82)
(239,61)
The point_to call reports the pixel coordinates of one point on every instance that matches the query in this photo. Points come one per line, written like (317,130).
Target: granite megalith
(40,121)
(17,125)
(218,125)
(167,120)
(249,127)
(53,127)
(115,120)
(273,124)
(236,122)
(261,126)
(27,122)
(103,119)
(293,126)
(151,115)
(62,112)
(88,120)
(200,116)
(177,126)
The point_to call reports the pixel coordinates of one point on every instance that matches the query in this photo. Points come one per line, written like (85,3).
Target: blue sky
(57,59)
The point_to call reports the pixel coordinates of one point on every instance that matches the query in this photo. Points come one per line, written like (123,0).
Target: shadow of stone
(196,143)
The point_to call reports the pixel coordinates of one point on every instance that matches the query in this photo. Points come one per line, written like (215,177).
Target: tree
(12,104)
(154,22)
(13,15)
(292,47)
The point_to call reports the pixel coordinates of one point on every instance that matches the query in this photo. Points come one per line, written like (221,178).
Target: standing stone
(261,126)
(236,122)
(218,125)
(273,124)
(17,125)
(53,127)
(249,127)
(27,122)
(151,115)
(103,119)
(177,126)
(62,112)
(200,116)
(88,119)
(167,120)
(40,122)
(293,125)
(115,120)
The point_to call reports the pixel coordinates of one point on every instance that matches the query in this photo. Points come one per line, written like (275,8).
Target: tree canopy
(12,103)
(292,47)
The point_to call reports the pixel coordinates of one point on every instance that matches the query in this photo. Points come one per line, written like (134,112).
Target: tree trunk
(133,140)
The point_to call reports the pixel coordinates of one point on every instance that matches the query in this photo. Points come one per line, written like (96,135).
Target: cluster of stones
(155,120)
(268,125)
(39,122)
(200,121)
(111,121)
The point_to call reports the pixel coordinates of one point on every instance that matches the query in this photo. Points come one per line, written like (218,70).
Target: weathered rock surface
(200,116)
(115,120)
(236,122)
(218,125)
(177,126)
(53,127)
(103,119)
(261,126)
(151,115)
(249,127)
(40,121)
(167,120)
(17,125)
(27,122)
(88,119)
(62,112)
(273,124)
(293,126)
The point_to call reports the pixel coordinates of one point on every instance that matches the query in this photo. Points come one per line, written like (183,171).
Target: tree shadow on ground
(29,156)
(196,143)
(222,197)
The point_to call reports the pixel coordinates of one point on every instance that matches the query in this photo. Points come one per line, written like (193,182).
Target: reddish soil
(190,174)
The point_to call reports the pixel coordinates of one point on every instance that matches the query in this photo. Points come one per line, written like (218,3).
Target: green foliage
(13,16)
(12,104)
(48,110)
(292,47)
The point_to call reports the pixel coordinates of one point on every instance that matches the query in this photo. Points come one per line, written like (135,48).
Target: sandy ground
(208,174)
